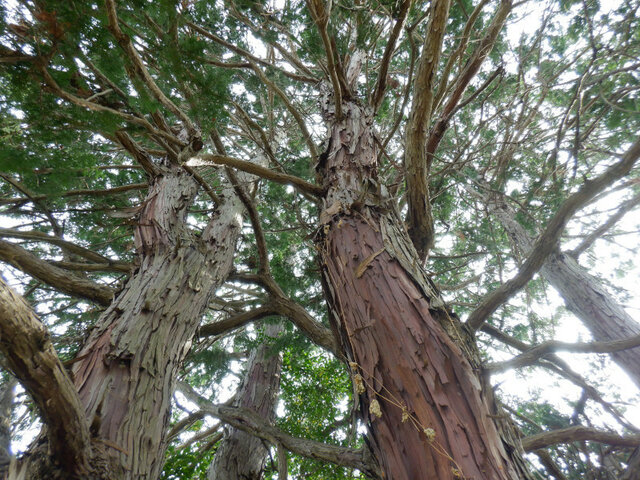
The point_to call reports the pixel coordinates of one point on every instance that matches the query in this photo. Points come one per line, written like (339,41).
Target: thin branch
(535,353)
(203,183)
(598,232)
(559,367)
(28,351)
(78,193)
(383,71)
(578,434)
(547,242)
(96,107)
(249,56)
(36,201)
(58,278)
(472,66)
(293,110)
(125,43)
(249,167)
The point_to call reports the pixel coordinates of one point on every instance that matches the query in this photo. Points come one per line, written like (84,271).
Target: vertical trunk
(583,294)
(414,364)
(6,407)
(240,455)
(128,366)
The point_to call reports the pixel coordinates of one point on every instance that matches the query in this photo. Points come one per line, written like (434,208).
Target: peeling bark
(242,455)
(29,353)
(131,360)
(125,373)
(429,415)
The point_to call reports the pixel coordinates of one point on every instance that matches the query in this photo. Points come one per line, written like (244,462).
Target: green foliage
(549,109)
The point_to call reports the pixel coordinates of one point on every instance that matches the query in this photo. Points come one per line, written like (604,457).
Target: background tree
(380,154)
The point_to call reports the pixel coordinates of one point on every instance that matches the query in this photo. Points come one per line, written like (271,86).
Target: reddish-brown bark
(128,366)
(413,357)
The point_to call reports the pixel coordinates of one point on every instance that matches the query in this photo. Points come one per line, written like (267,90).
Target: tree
(179,176)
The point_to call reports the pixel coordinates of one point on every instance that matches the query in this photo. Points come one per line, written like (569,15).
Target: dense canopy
(323,240)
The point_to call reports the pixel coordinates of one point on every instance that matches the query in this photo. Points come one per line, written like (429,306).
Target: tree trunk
(126,371)
(241,455)
(583,294)
(6,407)
(415,366)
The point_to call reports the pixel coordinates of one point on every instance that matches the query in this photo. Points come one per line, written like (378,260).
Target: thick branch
(25,343)
(317,333)
(320,16)
(550,465)
(416,163)
(137,152)
(119,267)
(248,421)
(249,167)
(578,434)
(65,245)
(470,70)
(547,242)
(237,321)
(58,278)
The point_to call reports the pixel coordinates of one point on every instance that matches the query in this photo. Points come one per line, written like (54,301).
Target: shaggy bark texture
(415,367)
(130,362)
